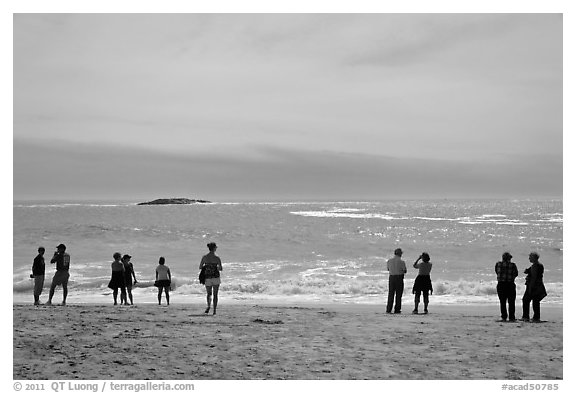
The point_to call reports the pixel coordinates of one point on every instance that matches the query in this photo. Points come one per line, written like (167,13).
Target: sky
(231,107)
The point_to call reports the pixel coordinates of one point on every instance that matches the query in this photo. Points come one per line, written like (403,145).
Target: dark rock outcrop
(173,201)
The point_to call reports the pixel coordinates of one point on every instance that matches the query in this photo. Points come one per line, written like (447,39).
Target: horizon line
(299,200)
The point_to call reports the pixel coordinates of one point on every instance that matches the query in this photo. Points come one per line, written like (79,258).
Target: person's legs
(115,295)
(511,302)
(416,301)
(36,296)
(215,298)
(425,293)
(526,306)
(64,292)
(391,292)
(129,290)
(536,308)
(167,292)
(208,298)
(38,286)
(159,295)
(500,289)
(123,296)
(399,291)
(51,293)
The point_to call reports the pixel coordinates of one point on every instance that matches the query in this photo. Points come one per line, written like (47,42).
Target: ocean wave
(331,214)
(494,219)
(435,218)
(495,222)
(346,210)
(94,284)
(322,287)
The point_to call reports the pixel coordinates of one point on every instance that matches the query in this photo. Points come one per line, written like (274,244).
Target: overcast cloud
(284,106)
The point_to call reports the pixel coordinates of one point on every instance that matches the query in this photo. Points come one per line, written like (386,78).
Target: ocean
(329,252)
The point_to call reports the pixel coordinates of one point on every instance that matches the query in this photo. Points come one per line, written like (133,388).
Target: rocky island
(174,201)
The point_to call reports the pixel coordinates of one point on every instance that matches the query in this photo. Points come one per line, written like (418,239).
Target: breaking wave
(312,287)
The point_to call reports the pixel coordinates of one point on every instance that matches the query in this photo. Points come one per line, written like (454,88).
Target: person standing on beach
(117,280)
(396,268)
(163,280)
(422,283)
(128,275)
(38,270)
(212,266)
(506,273)
(62,260)
(535,290)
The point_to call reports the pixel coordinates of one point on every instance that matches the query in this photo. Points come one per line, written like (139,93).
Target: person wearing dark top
(535,290)
(62,261)
(212,266)
(117,279)
(38,270)
(128,275)
(506,273)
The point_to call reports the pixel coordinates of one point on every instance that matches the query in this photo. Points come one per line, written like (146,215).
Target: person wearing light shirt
(396,268)
(163,280)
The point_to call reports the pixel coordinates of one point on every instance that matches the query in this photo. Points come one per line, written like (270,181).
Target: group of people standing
(123,272)
(124,276)
(506,273)
(422,285)
(62,260)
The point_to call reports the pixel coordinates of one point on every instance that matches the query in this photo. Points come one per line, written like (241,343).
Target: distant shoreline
(173,201)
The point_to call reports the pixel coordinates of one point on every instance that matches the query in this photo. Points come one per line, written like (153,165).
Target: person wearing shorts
(212,266)
(163,280)
(62,260)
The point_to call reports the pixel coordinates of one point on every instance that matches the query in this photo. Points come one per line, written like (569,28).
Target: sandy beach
(304,342)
